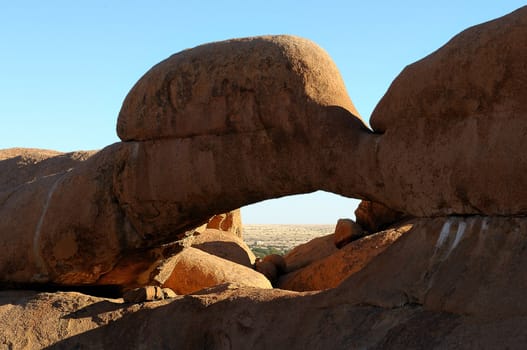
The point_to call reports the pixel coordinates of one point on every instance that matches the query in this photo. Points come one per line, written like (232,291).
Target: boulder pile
(435,260)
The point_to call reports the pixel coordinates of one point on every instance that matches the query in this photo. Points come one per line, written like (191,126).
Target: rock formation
(61,223)
(248,118)
(227,124)
(271,266)
(144,192)
(231,222)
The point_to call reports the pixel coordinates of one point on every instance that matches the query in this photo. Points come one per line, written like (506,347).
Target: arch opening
(276,226)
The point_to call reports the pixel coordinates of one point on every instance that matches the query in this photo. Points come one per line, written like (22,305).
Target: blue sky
(66,66)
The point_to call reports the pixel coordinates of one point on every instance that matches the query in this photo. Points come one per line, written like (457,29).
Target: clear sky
(66,66)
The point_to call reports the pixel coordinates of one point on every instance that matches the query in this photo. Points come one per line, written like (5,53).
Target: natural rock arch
(206,131)
(252,119)
(227,124)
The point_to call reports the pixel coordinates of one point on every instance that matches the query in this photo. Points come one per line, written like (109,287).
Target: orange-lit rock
(224,244)
(193,270)
(330,271)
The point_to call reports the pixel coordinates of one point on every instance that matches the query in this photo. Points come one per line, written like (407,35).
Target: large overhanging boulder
(454,126)
(276,83)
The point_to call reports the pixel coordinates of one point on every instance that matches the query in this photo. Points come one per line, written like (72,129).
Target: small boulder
(346,231)
(230,222)
(224,245)
(193,270)
(278,261)
(268,269)
(271,266)
(374,217)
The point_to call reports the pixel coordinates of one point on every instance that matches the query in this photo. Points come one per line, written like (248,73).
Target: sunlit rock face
(454,129)
(234,87)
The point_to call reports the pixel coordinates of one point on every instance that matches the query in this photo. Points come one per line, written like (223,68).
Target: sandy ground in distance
(283,236)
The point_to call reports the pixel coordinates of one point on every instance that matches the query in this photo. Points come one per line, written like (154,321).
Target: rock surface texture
(227,124)
(231,222)
(224,245)
(304,254)
(49,235)
(231,87)
(60,222)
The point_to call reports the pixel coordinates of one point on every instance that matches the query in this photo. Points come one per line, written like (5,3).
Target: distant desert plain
(264,239)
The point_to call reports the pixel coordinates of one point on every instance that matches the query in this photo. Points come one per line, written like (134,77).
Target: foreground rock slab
(453,282)
(331,270)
